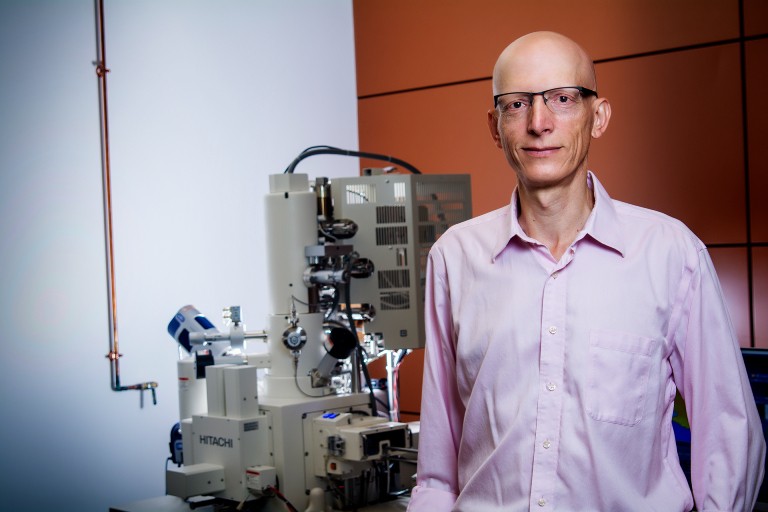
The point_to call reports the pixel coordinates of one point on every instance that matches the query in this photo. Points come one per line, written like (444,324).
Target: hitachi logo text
(217,441)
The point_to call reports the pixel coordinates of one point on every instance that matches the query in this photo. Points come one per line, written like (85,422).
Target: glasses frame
(582,90)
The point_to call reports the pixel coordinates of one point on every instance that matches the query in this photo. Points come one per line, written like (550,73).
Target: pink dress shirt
(549,385)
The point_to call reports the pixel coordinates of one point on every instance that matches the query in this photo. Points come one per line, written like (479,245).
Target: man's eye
(516,105)
(564,99)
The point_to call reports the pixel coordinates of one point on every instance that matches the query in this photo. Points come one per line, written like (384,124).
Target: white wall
(206,98)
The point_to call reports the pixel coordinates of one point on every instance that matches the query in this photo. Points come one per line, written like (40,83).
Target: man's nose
(540,117)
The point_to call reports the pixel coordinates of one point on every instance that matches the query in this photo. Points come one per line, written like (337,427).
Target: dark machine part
(338,229)
(175,445)
(360,268)
(324,200)
(344,342)
(203,359)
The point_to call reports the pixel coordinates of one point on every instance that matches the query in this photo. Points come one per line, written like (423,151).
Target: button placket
(550,402)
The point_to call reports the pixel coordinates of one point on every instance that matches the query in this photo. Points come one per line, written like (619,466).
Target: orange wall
(683,137)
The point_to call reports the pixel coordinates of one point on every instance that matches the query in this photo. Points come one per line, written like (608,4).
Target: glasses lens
(514,103)
(562,100)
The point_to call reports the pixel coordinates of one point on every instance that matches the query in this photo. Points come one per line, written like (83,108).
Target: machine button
(553,330)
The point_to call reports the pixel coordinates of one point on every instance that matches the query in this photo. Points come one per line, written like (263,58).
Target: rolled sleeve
(429,499)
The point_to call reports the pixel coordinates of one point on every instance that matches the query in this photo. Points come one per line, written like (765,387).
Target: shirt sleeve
(442,411)
(727,442)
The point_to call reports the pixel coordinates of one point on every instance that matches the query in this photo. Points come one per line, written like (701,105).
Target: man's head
(546,137)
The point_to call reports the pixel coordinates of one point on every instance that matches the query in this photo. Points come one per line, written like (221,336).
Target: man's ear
(602,115)
(493,126)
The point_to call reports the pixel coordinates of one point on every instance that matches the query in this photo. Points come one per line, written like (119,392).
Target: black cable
(334,305)
(382,402)
(358,348)
(401,355)
(374,409)
(330,150)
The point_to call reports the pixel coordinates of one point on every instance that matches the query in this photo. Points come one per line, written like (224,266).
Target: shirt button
(554,275)
(547,444)
(551,386)
(542,502)
(553,330)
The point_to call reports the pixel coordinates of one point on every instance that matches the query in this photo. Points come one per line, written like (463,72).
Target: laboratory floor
(174,504)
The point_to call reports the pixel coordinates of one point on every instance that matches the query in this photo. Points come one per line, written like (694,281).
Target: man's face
(542,146)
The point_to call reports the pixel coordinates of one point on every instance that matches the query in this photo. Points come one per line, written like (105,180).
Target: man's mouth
(541,151)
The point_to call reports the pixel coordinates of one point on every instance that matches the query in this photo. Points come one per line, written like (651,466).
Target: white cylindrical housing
(192,394)
(291,222)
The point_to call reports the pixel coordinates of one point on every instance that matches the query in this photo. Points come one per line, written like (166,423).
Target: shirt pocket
(619,367)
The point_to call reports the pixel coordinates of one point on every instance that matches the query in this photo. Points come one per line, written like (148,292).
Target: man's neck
(555,215)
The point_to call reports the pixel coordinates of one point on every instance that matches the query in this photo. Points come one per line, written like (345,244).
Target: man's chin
(540,176)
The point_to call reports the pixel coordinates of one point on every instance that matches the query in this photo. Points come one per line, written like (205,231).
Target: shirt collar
(602,224)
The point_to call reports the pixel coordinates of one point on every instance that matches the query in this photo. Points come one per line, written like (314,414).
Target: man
(560,327)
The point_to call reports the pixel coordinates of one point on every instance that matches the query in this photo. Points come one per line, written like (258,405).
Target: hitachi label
(224,442)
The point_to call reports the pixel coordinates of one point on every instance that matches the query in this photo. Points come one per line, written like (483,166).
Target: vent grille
(428,233)
(395,300)
(439,191)
(390,214)
(400,192)
(360,193)
(395,235)
(394,279)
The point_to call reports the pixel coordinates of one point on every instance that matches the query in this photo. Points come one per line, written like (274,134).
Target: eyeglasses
(561,100)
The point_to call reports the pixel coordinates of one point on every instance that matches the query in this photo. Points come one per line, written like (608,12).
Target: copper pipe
(114,354)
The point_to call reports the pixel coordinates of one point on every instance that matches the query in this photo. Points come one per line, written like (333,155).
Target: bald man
(560,327)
